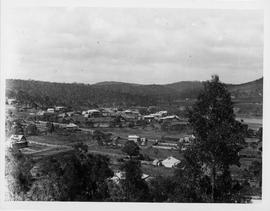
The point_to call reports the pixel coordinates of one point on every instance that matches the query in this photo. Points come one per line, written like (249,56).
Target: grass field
(148,132)
(59,139)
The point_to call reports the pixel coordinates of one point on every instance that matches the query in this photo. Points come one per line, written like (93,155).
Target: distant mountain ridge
(119,93)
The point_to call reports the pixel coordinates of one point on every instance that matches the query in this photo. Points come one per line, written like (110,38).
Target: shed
(72,126)
(18,141)
(50,110)
(134,138)
(156,162)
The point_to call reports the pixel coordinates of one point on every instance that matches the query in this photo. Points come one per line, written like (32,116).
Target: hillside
(251,89)
(187,89)
(119,93)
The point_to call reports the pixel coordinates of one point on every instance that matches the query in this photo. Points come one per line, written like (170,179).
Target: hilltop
(120,93)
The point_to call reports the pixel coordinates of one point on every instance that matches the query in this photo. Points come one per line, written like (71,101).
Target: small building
(50,110)
(169,118)
(92,113)
(134,138)
(128,112)
(18,141)
(40,113)
(106,112)
(60,108)
(118,175)
(170,162)
(72,126)
(160,114)
(149,118)
(156,162)
(121,175)
(144,141)
(11,101)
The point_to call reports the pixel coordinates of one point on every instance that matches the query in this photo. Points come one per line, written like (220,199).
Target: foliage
(131,148)
(219,137)
(75,176)
(161,189)
(134,187)
(17,173)
(46,94)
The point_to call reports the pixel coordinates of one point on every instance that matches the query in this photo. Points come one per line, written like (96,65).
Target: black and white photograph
(133,104)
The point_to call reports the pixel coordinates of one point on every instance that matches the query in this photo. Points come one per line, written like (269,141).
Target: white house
(91,112)
(156,162)
(11,101)
(149,117)
(144,141)
(60,108)
(134,138)
(160,114)
(40,113)
(18,140)
(50,110)
(72,126)
(170,162)
(170,117)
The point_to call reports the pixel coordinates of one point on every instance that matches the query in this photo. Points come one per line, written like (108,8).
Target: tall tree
(17,174)
(219,137)
(135,188)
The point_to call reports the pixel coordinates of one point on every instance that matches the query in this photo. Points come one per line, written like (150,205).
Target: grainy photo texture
(134,105)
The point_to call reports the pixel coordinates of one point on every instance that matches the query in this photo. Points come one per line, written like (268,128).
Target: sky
(146,46)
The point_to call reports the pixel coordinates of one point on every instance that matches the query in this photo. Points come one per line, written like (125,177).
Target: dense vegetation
(46,94)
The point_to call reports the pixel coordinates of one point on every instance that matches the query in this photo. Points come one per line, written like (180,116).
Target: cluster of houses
(108,117)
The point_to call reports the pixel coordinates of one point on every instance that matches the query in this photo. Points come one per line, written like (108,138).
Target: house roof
(72,125)
(170,162)
(149,116)
(93,111)
(133,136)
(122,175)
(170,117)
(18,138)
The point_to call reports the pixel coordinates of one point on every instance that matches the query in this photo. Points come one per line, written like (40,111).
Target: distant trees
(45,94)
(219,137)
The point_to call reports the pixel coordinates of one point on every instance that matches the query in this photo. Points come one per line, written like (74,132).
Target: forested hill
(250,89)
(117,93)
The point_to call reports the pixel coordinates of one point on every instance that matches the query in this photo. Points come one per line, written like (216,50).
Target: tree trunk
(213,178)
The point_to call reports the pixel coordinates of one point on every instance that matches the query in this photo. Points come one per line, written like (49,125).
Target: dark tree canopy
(131,148)
(218,134)
(135,188)
(219,137)
(75,176)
